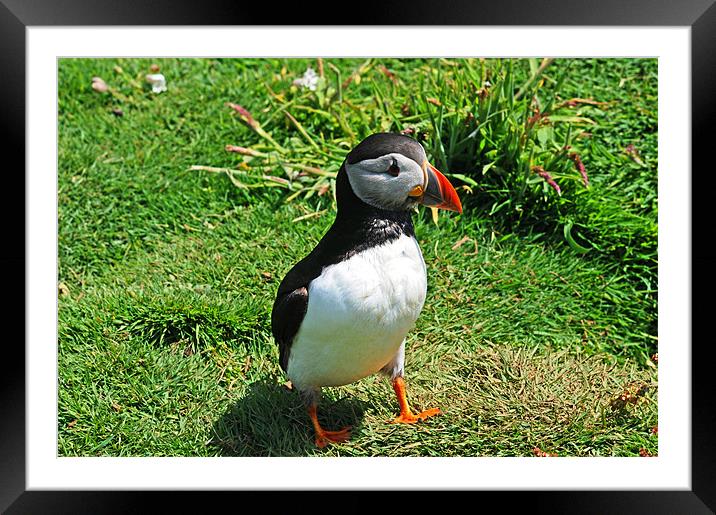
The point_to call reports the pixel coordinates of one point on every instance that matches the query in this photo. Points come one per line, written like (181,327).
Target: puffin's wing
(289,308)
(291,302)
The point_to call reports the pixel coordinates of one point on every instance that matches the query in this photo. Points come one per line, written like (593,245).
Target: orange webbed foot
(410,418)
(324,437)
(406,414)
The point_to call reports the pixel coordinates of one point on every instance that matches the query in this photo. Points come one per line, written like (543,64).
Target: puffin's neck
(360,216)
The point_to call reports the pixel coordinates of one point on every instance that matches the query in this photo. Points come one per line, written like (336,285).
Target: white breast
(359,312)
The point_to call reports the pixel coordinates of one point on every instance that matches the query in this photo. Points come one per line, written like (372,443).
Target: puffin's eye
(394,169)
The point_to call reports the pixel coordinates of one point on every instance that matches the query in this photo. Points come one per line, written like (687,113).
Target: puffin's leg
(323,437)
(406,414)
(395,370)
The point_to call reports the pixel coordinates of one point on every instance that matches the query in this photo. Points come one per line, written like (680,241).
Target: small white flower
(309,80)
(99,85)
(158,82)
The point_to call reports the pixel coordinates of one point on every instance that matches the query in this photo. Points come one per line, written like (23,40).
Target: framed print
(178,162)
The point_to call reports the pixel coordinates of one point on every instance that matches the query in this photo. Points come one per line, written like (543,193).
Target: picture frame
(700,16)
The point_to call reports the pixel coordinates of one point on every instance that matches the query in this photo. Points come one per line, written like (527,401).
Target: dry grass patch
(549,399)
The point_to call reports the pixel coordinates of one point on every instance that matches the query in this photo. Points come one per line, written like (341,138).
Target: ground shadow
(271,420)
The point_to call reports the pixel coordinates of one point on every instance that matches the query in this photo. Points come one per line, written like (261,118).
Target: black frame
(699,15)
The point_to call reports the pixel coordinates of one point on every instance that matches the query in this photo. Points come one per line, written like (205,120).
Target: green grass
(167,274)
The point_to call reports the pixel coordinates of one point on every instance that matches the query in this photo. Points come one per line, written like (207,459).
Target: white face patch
(374,185)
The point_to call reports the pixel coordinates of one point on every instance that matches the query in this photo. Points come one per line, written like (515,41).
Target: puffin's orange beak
(438,192)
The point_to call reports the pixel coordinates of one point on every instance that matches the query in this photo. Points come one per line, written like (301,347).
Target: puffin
(343,312)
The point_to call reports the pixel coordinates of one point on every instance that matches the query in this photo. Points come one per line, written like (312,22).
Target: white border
(671,469)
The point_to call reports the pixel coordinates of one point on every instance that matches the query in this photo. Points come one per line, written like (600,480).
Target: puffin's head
(390,171)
